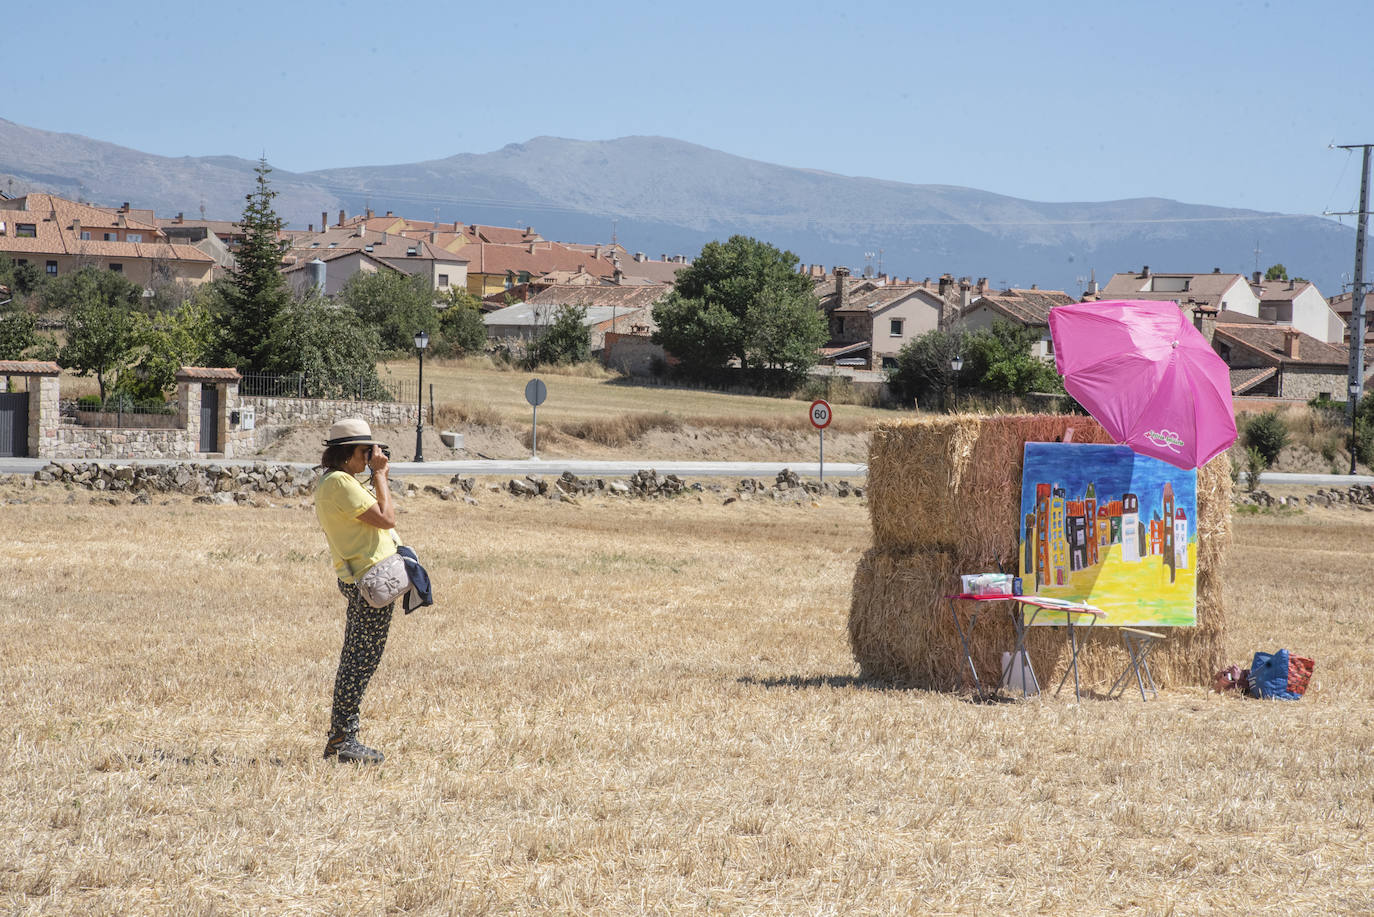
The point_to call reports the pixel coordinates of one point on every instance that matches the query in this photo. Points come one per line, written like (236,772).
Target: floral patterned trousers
(364,640)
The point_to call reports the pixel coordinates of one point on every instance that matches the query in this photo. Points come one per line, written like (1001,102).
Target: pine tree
(257,292)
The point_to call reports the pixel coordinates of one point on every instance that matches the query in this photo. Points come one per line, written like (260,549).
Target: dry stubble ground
(634,707)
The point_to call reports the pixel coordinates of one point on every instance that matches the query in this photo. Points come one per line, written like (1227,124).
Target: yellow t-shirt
(353,546)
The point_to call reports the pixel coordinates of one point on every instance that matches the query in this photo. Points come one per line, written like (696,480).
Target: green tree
(461,322)
(740,301)
(786,331)
(16,333)
(163,342)
(329,344)
(566,340)
(923,375)
(999,359)
(396,305)
(256,291)
(98,307)
(22,279)
(1276,272)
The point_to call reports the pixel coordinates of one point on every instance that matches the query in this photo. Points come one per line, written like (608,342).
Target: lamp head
(421,340)
(957,363)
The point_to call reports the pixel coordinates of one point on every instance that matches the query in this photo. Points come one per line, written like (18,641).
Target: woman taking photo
(358,526)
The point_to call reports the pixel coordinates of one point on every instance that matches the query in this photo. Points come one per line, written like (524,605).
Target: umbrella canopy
(1148,376)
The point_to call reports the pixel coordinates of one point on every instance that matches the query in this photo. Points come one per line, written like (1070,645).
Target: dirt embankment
(686,443)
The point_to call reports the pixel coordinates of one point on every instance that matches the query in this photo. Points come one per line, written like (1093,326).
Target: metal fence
(308,385)
(118,412)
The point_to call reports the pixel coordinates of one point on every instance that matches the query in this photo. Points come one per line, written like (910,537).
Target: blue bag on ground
(1269,676)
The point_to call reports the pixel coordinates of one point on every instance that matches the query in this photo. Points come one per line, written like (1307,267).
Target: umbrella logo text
(1165,439)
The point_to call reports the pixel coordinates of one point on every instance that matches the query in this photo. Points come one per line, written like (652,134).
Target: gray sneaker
(348,748)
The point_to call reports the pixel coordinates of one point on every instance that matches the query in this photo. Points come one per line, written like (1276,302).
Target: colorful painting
(1113,529)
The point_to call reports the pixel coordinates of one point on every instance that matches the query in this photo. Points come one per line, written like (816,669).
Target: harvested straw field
(944,498)
(630,708)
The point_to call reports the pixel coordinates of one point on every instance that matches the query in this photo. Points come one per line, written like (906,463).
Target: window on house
(895,327)
(889,362)
(51,268)
(117,267)
(839,325)
(443,280)
(134,237)
(26,230)
(85,235)
(1323,396)
(111,237)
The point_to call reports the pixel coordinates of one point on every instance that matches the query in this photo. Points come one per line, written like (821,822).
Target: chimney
(1092,283)
(1035,286)
(125,208)
(181,217)
(596,251)
(529,230)
(618,276)
(1290,344)
(964,295)
(368,213)
(1259,278)
(1205,321)
(1291,283)
(324,220)
(388,213)
(341,216)
(841,287)
(433,237)
(531,248)
(384,237)
(946,281)
(76,228)
(582,269)
(1145,271)
(639,256)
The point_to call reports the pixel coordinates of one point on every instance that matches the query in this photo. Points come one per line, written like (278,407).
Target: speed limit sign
(820,414)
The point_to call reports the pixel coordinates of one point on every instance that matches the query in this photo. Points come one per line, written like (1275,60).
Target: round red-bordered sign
(821,415)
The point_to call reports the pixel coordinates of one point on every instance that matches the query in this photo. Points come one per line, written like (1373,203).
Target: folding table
(1019,622)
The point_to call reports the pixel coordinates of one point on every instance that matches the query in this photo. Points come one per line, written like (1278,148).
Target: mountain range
(664,196)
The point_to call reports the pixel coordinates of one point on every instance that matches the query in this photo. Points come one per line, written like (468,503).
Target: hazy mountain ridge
(669,196)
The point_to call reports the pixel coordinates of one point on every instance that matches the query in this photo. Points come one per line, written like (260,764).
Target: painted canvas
(1111,528)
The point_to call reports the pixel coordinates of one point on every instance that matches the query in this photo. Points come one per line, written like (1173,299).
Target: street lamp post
(421,342)
(1354,394)
(956,364)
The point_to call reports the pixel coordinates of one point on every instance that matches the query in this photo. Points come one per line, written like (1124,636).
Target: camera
(386,450)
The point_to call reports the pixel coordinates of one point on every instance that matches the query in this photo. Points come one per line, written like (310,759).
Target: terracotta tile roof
(1243,380)
(621,297)
(55,221)
(534,258)
(1280,291)
(28,368)
(1227,317)
(1267,342)
(384,245)
(218,227)
(335,254)
(655,271)
(1029,307)
(1206,288)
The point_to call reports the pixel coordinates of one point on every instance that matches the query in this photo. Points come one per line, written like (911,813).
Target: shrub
(1254,464)
(1267,434)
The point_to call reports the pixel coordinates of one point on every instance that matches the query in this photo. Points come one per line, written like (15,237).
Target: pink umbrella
(1148,376)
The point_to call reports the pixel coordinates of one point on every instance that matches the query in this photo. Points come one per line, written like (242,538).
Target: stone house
(1298,304)
(871,319)
(1272,360)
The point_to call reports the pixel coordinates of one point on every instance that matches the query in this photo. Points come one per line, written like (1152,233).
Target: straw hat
(351,431)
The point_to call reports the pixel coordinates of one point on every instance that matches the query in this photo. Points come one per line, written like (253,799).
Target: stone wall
(1308,385)
(272,415)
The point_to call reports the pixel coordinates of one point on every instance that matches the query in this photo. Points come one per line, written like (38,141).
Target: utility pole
(1357,288)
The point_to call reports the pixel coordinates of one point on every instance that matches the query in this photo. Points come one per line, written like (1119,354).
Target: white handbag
(385,582)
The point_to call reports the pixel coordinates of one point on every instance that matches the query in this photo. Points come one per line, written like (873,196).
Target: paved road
(539,466)
(681,469)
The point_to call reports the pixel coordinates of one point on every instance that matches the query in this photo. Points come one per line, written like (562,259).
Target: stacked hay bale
(945,499)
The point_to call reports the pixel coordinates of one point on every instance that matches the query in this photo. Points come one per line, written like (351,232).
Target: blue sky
(1227,103)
